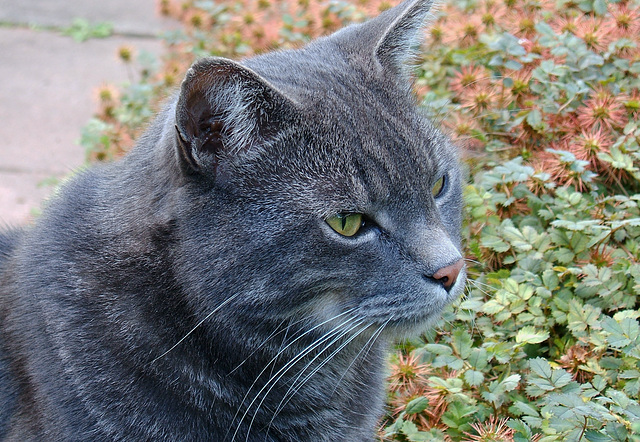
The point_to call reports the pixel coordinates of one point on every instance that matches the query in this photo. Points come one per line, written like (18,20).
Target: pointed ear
(225,109)
(390,39)
(402,35)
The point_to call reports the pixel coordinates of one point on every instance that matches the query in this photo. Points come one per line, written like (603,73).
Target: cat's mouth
(410,310)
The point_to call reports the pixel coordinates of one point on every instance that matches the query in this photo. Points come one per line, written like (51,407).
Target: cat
(241,273)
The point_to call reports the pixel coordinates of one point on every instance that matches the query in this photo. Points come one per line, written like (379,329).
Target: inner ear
(212,135)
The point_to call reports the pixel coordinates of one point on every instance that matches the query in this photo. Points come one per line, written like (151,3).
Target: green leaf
(526,408)
(410,430)
(512,65)
(462,342)
(420,436)
(451,361)
(543,378)
(457,414)
(494,243)
(534,118)
(510,285)
(564,255)
(596,436)
(529,335)
(511,382)
(544,29)
(478,358)
(620,336)
(600,7)
(540,367)
(492,307)
(580,317)
(417,405)
(439,349)
(473,377)
(617,432)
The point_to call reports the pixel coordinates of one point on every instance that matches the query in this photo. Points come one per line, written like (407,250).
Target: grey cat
(241,273)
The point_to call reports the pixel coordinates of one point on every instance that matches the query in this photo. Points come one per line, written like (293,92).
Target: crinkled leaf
(529,335)
(474,377)
(417,405)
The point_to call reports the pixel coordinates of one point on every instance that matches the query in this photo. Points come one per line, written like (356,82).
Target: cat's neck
(289,374)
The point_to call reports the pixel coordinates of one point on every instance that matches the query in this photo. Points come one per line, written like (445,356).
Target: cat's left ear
(224,110)
(403,35)
(396,35)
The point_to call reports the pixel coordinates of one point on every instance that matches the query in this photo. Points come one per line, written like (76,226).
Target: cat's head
(316,186)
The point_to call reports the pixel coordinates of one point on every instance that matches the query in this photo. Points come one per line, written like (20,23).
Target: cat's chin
(408,328)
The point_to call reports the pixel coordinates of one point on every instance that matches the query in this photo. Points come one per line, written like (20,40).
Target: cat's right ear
(224,110)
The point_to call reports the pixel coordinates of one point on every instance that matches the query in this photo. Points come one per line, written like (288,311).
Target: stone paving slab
(132,17)
(47,88)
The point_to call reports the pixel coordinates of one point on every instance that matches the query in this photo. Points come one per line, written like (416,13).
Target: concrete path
(47,87)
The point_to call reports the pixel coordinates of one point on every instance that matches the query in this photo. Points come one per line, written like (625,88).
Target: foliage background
(544,97)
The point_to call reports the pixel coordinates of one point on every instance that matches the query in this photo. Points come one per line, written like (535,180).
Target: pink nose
(449,274)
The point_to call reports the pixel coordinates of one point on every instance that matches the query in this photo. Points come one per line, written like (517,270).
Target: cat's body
(194,290)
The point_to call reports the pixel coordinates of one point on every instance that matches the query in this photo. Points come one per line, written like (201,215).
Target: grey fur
(194,291)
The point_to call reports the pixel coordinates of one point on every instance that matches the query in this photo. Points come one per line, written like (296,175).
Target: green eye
(436,190)
(346,224)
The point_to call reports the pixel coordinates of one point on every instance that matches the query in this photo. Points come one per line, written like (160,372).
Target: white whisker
(365,348)
(273,360)
(225,302)
(293,389)
(276,332)
(284,369)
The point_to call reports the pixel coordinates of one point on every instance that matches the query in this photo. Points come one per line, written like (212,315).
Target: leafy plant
(544,96)
(81,30)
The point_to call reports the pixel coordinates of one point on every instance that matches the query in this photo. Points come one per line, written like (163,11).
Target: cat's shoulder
(8,241)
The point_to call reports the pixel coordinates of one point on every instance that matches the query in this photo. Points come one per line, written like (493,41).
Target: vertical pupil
(343,220)
(437,188)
